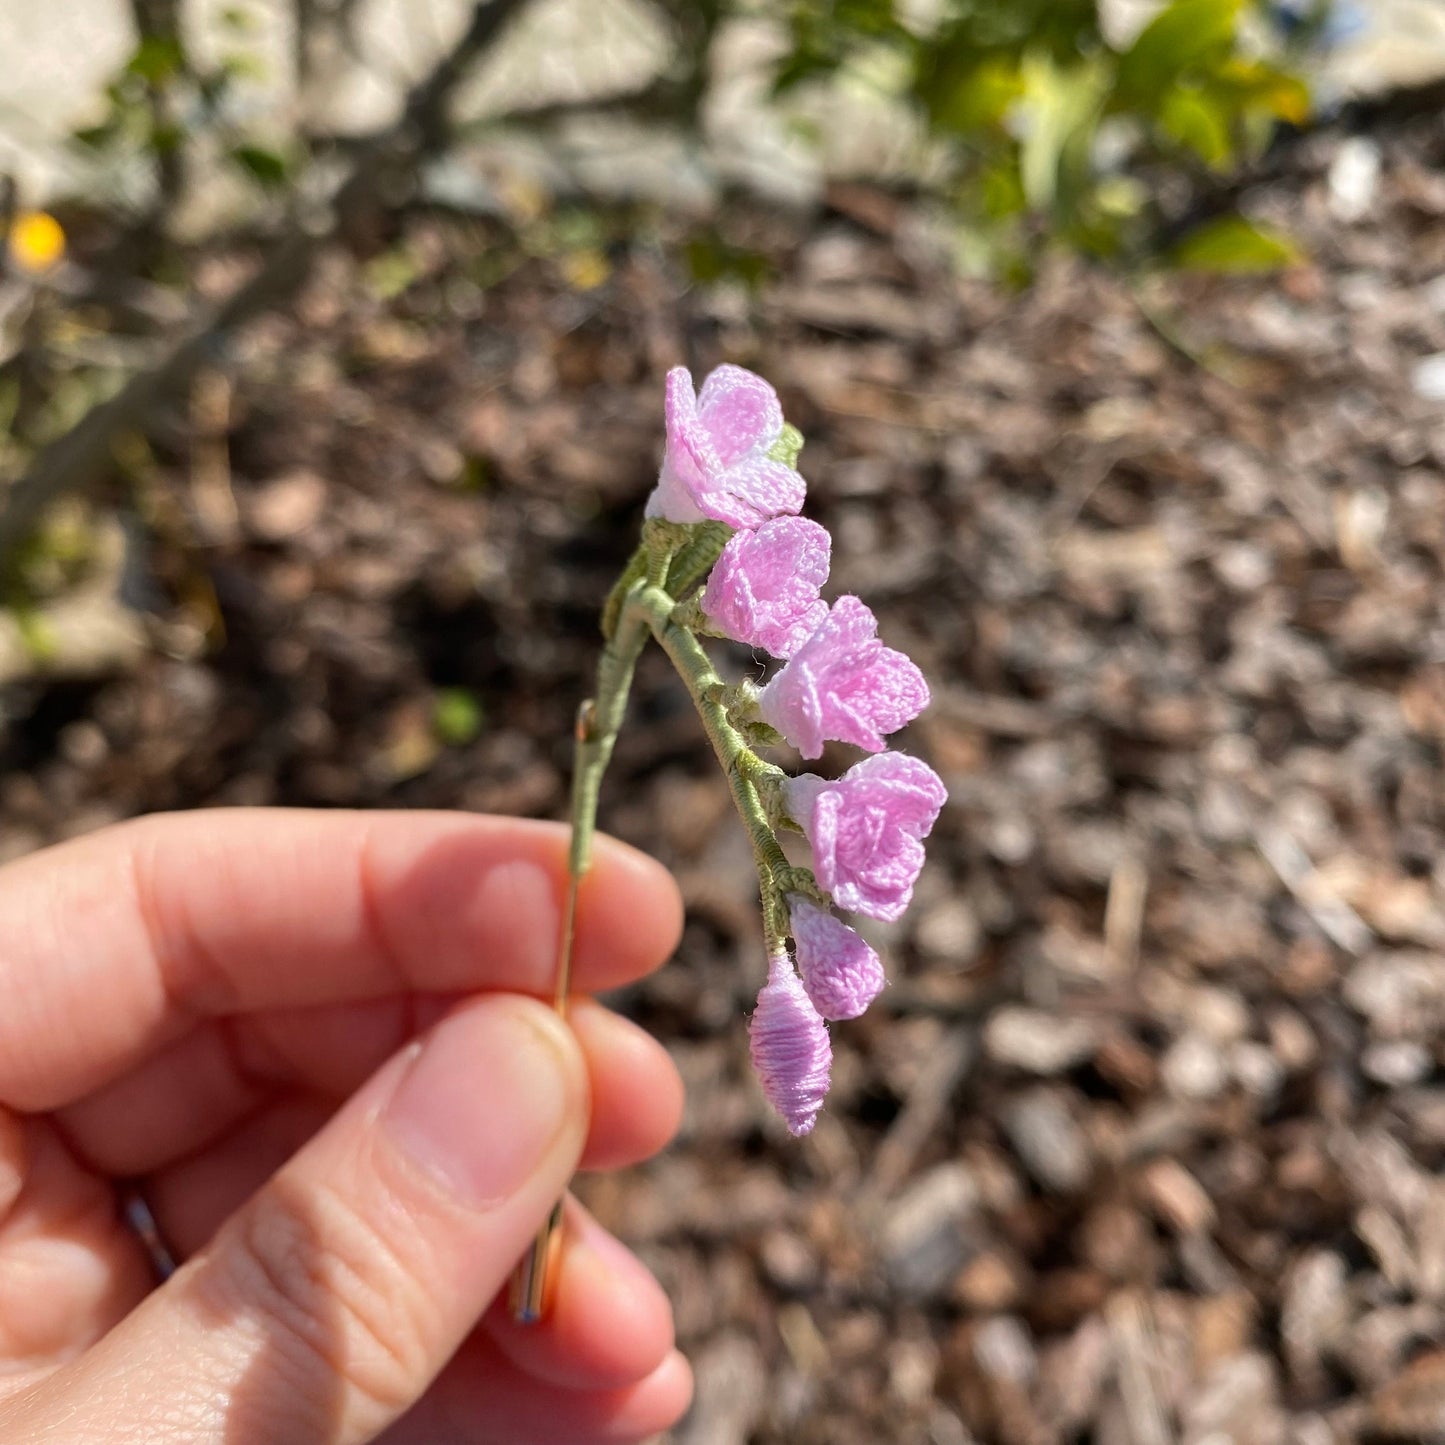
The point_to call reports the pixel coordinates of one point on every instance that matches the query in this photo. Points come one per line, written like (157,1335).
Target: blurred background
(332,336)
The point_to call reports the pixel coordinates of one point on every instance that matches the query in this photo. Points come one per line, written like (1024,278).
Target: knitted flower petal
(844,683)
(865,829)
(764,587)
(716,463)
(790,1049)
(741,412)
(841,973)
(752,490)
(689,457)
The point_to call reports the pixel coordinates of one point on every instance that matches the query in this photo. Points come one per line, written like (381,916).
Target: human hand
(304,1038)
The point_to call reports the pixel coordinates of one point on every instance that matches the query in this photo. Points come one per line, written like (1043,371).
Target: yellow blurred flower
(585,269)
(37,242)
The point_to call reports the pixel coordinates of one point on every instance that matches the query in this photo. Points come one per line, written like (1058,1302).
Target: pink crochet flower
(790,1048)
(716,463)
(844,683)
(764,588)
(865,829)
(840,972)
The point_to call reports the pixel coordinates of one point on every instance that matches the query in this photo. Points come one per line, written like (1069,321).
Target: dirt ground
(1143,1143)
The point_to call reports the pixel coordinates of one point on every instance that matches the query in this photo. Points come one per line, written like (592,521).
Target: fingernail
(485,1101)
(521,890)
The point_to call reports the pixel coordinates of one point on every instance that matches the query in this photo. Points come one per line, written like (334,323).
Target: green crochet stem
(599,722)
(647,608)
(670,564)
(739,763)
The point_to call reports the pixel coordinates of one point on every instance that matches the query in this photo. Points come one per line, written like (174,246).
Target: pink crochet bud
(844,683)
(716,463)
(865,829)
(840,972)
(790,1048)
(764,588)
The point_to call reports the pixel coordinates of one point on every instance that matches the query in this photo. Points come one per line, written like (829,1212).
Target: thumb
(324,1308)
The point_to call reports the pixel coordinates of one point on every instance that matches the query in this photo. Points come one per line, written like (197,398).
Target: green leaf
(238,20)
(96,137)
(388,275)
(998,189)
(1257,85)
(157,59)
(166,138)
(760,735)
(267,168)
(1185,36)
(1095,233)
(978,100)
(457,716)
(788,446)
(1060,112)
(966,70)
(826,34)
(37,635)
(1199,123)
(803,64)
(1234,246)
(711,259)
(1062,29)
(243,66)
(1120,198)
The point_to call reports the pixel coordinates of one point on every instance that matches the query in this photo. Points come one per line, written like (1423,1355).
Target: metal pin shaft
(530,1295)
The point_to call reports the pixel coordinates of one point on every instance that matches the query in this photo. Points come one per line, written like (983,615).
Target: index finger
(115,942)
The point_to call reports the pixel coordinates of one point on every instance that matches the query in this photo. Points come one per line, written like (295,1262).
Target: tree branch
(9,208)
(159,22)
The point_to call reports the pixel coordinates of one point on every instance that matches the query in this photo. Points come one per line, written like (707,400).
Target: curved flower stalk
(722,552)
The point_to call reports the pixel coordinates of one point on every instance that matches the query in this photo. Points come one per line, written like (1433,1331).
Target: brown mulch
(1144,1142)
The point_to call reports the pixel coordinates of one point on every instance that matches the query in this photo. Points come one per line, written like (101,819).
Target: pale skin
(313,1042)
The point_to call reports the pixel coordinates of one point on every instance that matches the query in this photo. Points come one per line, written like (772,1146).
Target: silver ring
(142,1220)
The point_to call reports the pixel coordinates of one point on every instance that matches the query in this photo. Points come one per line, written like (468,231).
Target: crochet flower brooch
(725,554)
